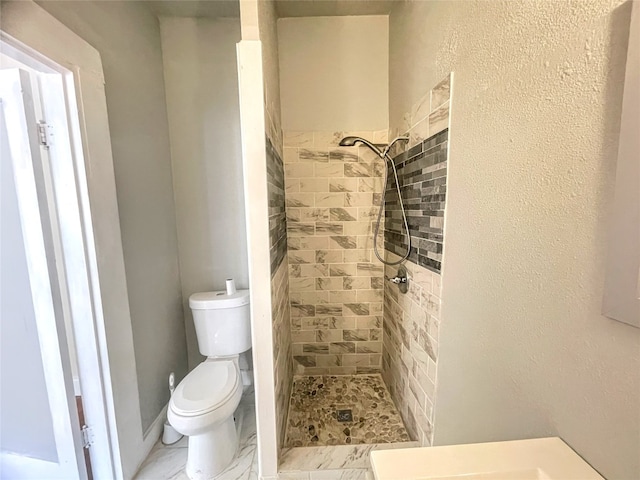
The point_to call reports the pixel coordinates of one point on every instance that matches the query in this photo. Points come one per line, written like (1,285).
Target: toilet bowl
(203,404)
(202,408)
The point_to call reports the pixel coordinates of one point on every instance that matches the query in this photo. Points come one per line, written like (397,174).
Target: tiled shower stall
(333,312)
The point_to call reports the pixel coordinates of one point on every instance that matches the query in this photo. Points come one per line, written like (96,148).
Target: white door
(44,439)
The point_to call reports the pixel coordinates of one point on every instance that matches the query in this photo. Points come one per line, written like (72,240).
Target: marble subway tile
(342,347)
(325,228)
(300,200)
(344,241)
(329,309)
(328,335)
(371,322)
(330,170)
(329,256)
(315,323)
(343,185)
(369,296)
(324,139)
(312,214)
(329,199)
(381,136)
(298,229)
(330,360)
(439,119)
(369,347)
(317,348)
(292,186)
(301,256)
(358,170)
(358,199)
(307,155)
(303,336)
(302,284)
(341,296)
(419,132)
(359,335)
(314,270)
(343,214)
(308,243)
(357,228)
(290,155)
(342,269)
(440,94)
(328,283)
(356,309)
(421,109)
(298,170)
(311,185)
(298,139)
(356,283)
(357,256)
(305,360)
(343,154)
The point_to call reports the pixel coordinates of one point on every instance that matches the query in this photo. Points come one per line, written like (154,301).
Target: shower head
(381,149)
(349,141)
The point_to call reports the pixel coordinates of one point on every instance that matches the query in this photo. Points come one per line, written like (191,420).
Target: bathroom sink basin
(529,474)
(536,459)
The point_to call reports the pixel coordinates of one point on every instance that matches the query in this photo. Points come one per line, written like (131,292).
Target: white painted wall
(204,125)
(334,73)
(26,426)
(524,349)
(127,35)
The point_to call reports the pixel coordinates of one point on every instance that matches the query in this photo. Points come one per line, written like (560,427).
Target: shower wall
(332,194)
(280,315)
(411,320)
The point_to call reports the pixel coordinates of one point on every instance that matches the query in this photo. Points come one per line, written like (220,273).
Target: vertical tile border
(412,321)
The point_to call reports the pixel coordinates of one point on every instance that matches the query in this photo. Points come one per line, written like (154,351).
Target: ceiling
(284,8)
(330,8)
(195,8)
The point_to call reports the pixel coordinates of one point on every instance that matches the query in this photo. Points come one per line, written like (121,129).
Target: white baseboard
(152,435)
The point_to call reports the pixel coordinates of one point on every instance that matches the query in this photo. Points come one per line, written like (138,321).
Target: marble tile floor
(167,462)
(342,410)
(340,462)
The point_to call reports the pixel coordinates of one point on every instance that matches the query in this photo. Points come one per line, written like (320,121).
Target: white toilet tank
(222,321)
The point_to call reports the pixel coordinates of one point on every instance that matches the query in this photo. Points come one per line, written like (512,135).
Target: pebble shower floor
(319,412)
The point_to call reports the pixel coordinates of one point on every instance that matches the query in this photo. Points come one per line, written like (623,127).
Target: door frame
(106,338)
(18,120)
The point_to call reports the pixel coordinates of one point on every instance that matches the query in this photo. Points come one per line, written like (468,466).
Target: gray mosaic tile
(277,217)
(423,175)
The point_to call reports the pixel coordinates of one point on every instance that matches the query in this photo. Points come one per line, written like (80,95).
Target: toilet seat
(207,387)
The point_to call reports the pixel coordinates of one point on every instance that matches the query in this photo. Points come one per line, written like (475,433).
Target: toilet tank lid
(220,299)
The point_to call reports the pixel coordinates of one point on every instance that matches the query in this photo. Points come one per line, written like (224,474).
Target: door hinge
(87,436)
(44,134)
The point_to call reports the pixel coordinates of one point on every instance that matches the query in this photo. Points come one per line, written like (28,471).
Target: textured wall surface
(127,35)
(332,196)
(524,350)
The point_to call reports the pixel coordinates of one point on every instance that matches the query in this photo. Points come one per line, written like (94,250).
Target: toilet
(203,404)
